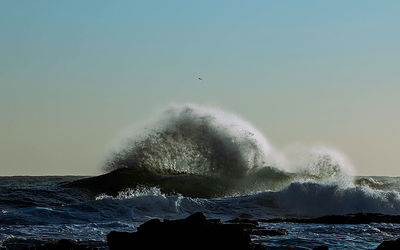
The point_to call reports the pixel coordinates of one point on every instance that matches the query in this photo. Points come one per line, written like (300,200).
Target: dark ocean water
(193,159)
(43,208)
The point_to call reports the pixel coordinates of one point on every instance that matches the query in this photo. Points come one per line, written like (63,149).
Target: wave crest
(194,140)
(204,152)
(314,199)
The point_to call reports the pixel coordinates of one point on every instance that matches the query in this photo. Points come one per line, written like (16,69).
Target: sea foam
(189,140)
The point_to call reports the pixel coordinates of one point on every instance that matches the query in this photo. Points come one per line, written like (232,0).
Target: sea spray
(133,192)
(197,152)
(190,139)
(315,199)
(224,150)
(193,159)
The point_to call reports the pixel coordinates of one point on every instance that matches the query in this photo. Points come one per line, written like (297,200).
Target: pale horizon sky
(73,74)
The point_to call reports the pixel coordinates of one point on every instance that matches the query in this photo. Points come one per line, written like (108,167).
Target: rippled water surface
(42,208)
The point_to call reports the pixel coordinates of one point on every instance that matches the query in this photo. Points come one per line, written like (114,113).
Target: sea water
(38,208)
(195,159)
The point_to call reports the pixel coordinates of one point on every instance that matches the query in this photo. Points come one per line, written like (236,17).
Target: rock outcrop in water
(252,226)
(194,232)
(197,232)
(389,245)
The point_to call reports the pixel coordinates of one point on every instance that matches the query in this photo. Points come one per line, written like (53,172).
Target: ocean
(43,208)
(191,160)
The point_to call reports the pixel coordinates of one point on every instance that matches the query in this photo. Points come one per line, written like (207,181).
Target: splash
(325,165)
(205,152)
(195,140)
(132,193)
(189,153)
(315,199)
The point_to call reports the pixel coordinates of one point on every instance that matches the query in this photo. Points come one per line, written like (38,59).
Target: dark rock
(390,244)
(194,232)
(323,247)
(215,221)
(259,247)
(360,218)
(245,224)
(149,224)
(240,220)
(270,232)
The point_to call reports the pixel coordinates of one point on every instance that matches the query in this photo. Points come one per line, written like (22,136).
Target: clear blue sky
(74,73)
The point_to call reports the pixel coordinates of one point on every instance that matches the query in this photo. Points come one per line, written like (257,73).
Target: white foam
(314,199)
(193,139)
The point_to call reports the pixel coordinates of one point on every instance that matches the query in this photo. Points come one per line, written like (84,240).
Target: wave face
(194,140)
(198,152)
(205,153)
(222,149)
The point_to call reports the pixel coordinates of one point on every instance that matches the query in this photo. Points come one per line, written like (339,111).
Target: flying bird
(201,79)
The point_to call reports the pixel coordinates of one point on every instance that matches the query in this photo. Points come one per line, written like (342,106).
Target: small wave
(131,205)
(315,199)
(309,199)
(132,192)
(374,184)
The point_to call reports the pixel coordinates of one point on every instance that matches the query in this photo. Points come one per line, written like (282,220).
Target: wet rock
(216,221)
(245,224)
(240,220)
(390,244)
(323,247)
(194,232)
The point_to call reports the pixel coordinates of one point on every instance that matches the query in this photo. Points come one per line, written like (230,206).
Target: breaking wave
(315,199)
(194,140)
(201,152)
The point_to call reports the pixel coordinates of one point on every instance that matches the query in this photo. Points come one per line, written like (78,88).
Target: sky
(73,74)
